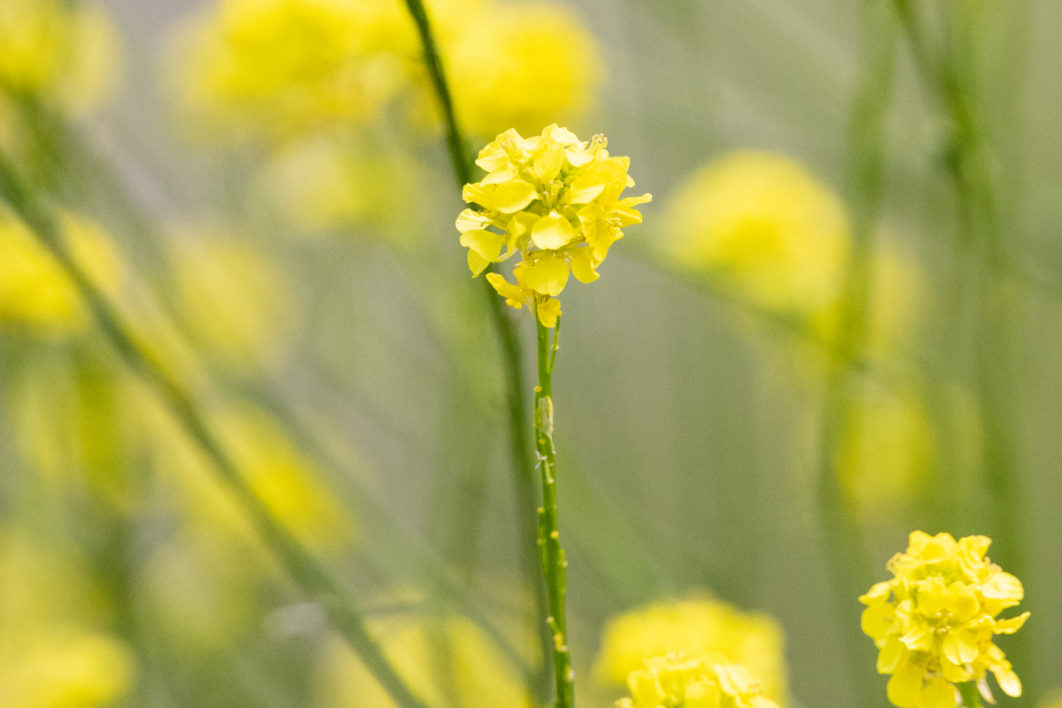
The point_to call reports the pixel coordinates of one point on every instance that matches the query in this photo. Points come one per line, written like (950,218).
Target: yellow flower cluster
(283,69)
(675,682)
(698,626)
(934,622)
(555,200)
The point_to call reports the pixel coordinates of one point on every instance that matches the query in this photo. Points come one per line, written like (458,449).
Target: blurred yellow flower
(234,301)
(447,660)
(886,451)
(699,627)
(555,200)
(286,482)
(521,66)
(275,69)
(766,228)
(53,651)
(34,290)
(934,622)
(62,53)
(66,668)
(675,682)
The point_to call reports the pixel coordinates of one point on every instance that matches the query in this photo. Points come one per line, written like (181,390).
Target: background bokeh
(780,374)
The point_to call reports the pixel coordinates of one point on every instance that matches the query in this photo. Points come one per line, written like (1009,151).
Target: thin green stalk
(841,531)
(307,572)
(970,696)
(506,331)
(554,563)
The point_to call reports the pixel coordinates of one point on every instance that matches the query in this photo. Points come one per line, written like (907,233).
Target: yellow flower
(555,200)
(34,290)
(521,65)
(698,626)
(765,228)
(934,622)
(280,68)
(675,682)
(61,52)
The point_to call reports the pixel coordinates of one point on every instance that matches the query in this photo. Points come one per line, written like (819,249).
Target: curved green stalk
(838,516)
(307,572)
(503,325)
(554,563)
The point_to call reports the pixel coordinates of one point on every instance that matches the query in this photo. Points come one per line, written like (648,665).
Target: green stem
(554,563)
(970,696)
(512,354)
(307,572)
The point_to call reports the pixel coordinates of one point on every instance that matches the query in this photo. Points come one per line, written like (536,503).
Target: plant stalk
(554,563)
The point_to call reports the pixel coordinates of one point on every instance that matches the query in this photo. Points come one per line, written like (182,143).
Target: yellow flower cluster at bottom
(673,681)
(934,622)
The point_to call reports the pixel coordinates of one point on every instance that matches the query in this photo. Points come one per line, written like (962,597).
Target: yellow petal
(959,646)
(548,312)
(476,263)
(938,694)
(583,265)
(470,219)
(507,197)
(513,295)
(905,687)
(1008,681)
(486,243)
(553,231)
(548,275)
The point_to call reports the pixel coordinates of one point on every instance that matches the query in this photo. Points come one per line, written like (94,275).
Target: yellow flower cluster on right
(673,681)
(934,622)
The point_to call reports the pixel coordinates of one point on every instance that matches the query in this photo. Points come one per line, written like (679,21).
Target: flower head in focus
(675,682)
(699,626)
(555,200)
(934,622)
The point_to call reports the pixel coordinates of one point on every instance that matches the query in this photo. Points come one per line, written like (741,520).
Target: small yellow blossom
(274,69)
(934,622)
(555,200)
(765,228)
(521,65)
(675,682)
(698,626)
(34,290)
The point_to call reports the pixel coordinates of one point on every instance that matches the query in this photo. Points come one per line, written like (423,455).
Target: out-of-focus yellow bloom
(53,651)
(555,200)
(886,451)
(766,228)
(675,682)
(62,53)
(34,290)
(287,483)
(66,668)
(935,621)
(521,66)
(448,661)
(232,299)
(278,68)
(699,627)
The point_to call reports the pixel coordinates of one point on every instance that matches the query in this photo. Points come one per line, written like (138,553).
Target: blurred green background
(837,324)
